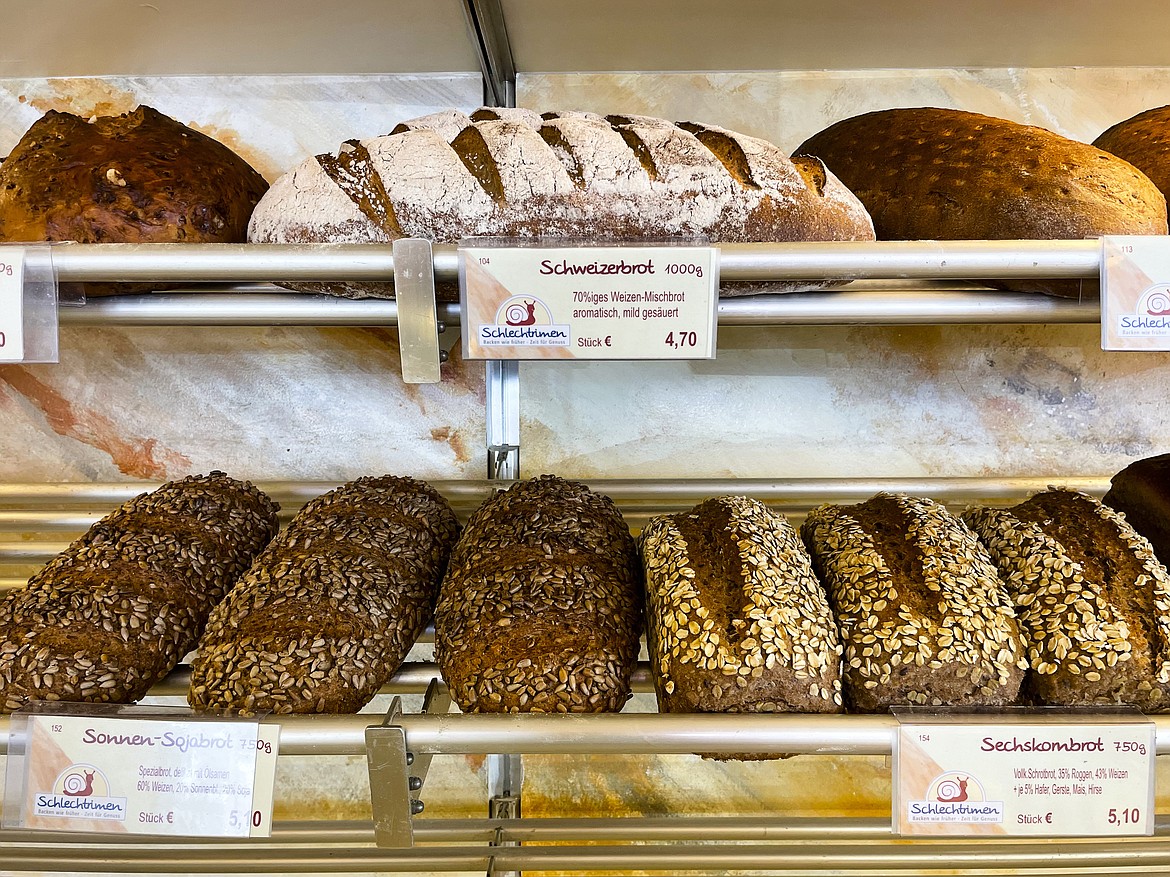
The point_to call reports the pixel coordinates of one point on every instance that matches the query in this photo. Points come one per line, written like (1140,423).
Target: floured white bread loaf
(514,173)
(924,617)
(328,612)
(1093,600)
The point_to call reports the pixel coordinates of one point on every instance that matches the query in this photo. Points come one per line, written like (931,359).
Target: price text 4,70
(675,340)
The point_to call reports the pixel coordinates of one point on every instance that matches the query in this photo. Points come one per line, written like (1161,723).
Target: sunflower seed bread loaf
(514,173)
(1093,601)
(924,618)
(736,621)
(327,613)
(112,614)
(540,610)
(1144,141)
(1141,492)
(929,173)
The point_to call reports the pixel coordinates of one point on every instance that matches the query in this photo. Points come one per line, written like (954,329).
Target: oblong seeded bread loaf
(513,173)
(930,173)
(325,616)
(1141,492)
(1093,601)
(924,618)
(114,613)
(1144,141)
(540,610)
(736,621)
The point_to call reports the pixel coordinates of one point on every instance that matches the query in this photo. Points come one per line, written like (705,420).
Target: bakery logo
(955,796)
(1151,317)
(524,321)
(81,791)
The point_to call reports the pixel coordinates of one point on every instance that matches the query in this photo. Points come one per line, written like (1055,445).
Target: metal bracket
(505,780)
(418,317)
(397,775)
(503,419)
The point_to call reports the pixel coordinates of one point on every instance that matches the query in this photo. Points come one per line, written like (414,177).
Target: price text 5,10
(1124,816)
(675,340)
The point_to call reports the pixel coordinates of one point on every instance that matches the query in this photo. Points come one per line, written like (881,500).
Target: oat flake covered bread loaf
(736,620)
(1143,141)
(141,177)
(514,173)
(940,174)
(327,613)
(540,610)
(111,615)
(924,617)
(1093,601)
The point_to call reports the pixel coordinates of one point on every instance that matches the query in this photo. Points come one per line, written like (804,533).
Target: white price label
(589,302)
(1024,779)
(1135,292)
(11,304)
(145,776)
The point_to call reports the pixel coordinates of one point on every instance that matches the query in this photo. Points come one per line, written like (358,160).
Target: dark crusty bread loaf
(515,173)
(1141,491)
(540,610)
(1144,141)
(1093,601)
(924,618)
(327,613)
(939,174)
(114,613)
(141,177)
(736,620)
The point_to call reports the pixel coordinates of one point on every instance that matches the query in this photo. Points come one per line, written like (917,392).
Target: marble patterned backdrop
(807,401)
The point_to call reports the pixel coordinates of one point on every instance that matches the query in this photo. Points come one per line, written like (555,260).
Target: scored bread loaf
(327,613)
(513,173)
(1093,601)
(540,610)
(1144,141)
(736,621)
(939,174)
(112,614)
(924,618)
(1141,492)
(140,177)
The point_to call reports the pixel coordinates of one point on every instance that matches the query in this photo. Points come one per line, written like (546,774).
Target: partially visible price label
(589,302)
(1012,778)
(11,304)
(203,778)
(1135,292)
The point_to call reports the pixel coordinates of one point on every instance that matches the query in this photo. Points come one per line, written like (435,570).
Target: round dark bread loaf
(327,613)
(514,173)
(540,610)
(1144,141)
(924,617)
(1092,599)
(1141,492)
(140,177)
(113,614)
(736,620)
(929,173)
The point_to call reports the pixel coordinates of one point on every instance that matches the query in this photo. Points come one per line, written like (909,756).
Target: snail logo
(956,796)
(1151,316)
(524,321)
(81,791)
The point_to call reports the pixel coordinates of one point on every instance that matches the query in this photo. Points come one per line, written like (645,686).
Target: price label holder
(1135,292)
(139,770)
(564,300)
(1041,773)
(28,304)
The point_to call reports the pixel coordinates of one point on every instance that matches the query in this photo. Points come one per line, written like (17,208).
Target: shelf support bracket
(418,318)
(503,419)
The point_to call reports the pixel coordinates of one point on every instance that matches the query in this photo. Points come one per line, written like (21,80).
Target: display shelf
(893,283)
